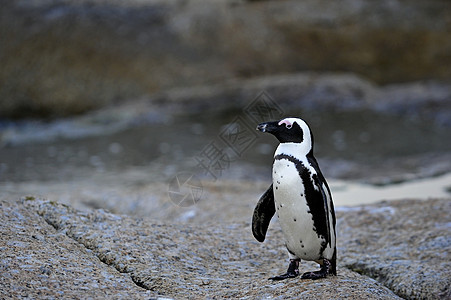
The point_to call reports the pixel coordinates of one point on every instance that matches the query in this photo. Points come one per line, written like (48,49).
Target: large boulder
(51,250)
(62,57)
(403,244)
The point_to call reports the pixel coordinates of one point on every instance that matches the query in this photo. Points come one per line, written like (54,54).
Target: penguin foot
(293,271)
(284,276)
(314,275)
(322,273)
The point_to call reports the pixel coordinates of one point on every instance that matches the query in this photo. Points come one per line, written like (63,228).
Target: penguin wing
(327,203)
(263,213)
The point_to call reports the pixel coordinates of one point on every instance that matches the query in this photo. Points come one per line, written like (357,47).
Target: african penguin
(302,199)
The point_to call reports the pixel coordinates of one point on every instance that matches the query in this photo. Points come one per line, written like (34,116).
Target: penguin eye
(287,123)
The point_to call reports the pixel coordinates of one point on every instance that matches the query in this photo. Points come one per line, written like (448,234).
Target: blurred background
(103,102)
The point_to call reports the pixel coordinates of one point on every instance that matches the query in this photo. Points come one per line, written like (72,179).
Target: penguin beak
(262,127)
(267,127)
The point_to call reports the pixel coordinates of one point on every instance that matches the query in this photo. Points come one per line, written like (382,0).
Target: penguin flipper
(263,213)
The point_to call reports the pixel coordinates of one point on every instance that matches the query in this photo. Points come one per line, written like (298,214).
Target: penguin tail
(333,263)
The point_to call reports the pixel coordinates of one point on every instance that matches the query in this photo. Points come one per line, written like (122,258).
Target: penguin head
(288,130)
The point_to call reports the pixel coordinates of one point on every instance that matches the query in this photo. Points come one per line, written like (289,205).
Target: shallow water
(357,137)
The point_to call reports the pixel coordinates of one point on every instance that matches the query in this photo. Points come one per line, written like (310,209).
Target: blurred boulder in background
(66,57)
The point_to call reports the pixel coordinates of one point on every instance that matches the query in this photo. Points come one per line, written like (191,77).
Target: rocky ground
(386,251)
(403,244)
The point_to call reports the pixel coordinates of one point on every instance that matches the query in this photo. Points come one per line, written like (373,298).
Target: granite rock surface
(39,262)
(405,245)
(386,250)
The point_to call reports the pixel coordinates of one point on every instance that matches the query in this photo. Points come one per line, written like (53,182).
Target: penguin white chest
(293,212)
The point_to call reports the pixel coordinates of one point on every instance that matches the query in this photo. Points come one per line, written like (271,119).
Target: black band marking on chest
(316,199)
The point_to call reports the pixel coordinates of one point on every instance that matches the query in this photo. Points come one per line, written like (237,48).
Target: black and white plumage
(302,200)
